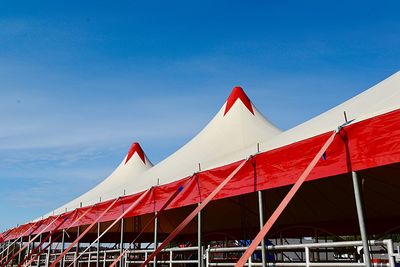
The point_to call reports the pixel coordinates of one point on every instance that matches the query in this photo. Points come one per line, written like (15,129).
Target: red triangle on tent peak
(135,148)
(238,93)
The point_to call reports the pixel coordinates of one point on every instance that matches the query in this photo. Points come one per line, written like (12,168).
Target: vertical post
(77,248)
(62,247)
(360,215)
(28,249)
(1,249)
(307,252)
(48,253)
(121,244)
(390,251)
(20,246)
(155,238)
(38,257)
(261,217)
(207,256)
(250,261)
(199,254)
(8,250)
(97,246)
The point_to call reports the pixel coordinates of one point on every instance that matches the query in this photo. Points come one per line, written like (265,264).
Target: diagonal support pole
(48,236)
(33,228)
(40,251)
(41,243)
(84,233)
(193,214)
(27,244)
(166,204)
(268,225)
(131,207)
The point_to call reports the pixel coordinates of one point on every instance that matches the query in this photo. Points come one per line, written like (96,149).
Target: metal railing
(170,256)
(304,255)
(229,256)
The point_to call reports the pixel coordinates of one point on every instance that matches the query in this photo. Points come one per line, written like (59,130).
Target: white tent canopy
(236,132)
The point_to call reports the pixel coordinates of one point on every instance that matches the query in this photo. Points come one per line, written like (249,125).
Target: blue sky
(81,80)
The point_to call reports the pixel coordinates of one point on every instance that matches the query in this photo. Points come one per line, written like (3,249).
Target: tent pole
(8,250)
(38,259)
(20,246)
(62,247)
(194,213)
(170,199)
(285,201)
(98,245)
(361,222)
(28,248)
(48,253)
(261,218)
(155,237)
(1,249)
(77,248)
(121,245)
(199,254)
(132,206)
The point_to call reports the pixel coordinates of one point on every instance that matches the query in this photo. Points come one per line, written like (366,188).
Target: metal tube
(2,250)
(8,250)
(97,246)
(155,238)
(261,217)
(77,248)
(62,247)
(360,215)
(121,245)
(20,246)
(307,254)
(38,257)
(48,253)
(28,249)
(390,251)
(199,254)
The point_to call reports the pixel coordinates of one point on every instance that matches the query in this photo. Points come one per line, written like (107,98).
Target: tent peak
(135,148)
(238,93)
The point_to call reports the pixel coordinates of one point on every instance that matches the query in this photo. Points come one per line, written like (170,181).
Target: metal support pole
(1,249)
(199,253)
(20,246)
(8,250)
(48,253)
(121,245)
(261,217)
(77,248)
(360,215)
(307,252)
(98,246)
(155,238)
(38,257)
(28,249)
(390,251)
(62,247)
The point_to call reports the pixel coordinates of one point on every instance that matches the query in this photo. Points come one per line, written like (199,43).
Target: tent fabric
(237,131)
(366,144)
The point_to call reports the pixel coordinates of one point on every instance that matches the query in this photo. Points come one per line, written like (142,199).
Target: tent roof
(237,131)
(232,134)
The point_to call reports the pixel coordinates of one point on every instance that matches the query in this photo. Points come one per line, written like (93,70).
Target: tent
(368,142)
